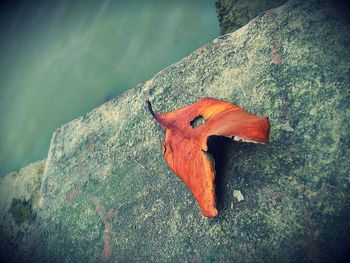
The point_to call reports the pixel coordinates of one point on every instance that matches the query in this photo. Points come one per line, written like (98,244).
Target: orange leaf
(185,148)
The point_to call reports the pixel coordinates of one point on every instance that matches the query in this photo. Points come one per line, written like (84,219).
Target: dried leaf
(185,148)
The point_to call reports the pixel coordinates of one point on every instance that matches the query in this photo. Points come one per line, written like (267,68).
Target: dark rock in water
(107,194)
(233,14)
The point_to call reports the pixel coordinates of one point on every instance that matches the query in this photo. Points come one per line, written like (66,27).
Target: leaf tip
(212,212)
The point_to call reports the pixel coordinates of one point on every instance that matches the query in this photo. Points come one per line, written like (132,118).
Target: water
(60,59)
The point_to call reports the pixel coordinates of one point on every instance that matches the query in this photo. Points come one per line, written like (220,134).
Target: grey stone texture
(107,194)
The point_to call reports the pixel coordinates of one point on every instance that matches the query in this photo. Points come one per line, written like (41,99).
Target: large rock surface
(107,194)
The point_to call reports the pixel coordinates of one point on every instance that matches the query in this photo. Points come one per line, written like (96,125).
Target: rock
(233,14)
(107,194)
(19,203)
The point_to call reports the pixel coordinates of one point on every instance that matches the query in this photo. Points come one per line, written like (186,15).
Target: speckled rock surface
(107,194)
(233,14)
(19,203)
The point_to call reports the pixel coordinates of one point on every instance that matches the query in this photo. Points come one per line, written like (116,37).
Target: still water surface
(60,59)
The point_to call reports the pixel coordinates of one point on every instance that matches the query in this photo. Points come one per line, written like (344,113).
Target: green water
(60,60)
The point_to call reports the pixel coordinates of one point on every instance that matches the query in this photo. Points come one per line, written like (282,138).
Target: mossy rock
(19,197)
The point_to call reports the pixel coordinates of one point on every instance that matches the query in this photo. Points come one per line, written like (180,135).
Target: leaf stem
(149,105)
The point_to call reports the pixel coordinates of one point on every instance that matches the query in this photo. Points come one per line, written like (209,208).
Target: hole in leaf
(198,121)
